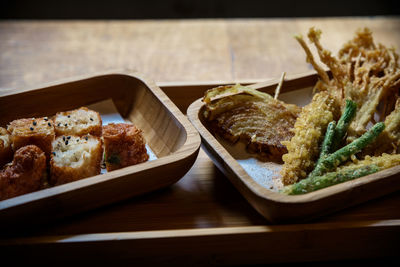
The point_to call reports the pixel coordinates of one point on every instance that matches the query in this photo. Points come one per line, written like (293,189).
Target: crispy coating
(364,72)
(6,152)
(389,140)
(81,121)
(32,131)
(124,145)
(74,158)
(24,174)
(384,161)
(309,130)
(253,117)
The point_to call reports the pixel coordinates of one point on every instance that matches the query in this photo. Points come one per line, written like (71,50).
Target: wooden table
(202,218)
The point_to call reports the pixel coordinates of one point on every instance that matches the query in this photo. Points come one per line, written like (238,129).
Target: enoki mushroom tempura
(365,72)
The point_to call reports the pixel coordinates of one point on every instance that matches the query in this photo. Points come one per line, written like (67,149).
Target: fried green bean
(343,123)
(343,154)
(331,178)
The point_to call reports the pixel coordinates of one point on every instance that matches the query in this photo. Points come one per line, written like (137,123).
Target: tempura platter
(259,181)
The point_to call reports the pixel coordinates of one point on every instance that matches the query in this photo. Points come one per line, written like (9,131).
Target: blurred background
(173,9)
(177,40)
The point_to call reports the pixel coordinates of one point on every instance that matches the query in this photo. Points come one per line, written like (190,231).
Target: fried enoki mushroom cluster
(365,72)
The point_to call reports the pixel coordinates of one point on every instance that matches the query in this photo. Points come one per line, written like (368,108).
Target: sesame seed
(63,138)
(49,124)
(46,119)
(91,119)
(86,138)
(54,153)
(68,137)
(69,116)
(31,128)
(66,124)
(34,123)
(66,142)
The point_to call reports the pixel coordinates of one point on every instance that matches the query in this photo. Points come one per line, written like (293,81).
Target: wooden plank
(217,246)
(33,52)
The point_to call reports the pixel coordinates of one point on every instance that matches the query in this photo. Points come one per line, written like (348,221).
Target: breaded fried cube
(74,158)
(32,131)
(81,121)
(124,145)
(6,152)
(24,175)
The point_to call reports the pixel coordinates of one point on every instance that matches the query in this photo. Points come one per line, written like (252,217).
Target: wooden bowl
(167,131)
(275,206)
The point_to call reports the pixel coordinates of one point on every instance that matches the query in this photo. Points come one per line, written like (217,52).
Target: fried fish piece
(74,158)
(253,117)
(24,174)
(32,131)
(124,145)
(6,152)
(81,121)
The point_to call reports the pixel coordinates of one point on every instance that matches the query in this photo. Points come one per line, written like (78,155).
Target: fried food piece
(74,158)
(253,117)
(389,140)
(81,121)
(363,71)
(124,145)
(328,179)
(24,174)
(32,131)
(6,152)
(384,161)
(309,130)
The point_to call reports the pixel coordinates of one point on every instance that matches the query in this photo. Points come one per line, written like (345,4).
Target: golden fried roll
(74,158)
(24,174)
(81,121)
(32,131)
(6,152)
(124,146)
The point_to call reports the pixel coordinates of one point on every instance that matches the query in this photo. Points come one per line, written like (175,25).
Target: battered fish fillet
(81,121)
(124,145)
(74,158)
(253,117)
(24,174)
(32,131)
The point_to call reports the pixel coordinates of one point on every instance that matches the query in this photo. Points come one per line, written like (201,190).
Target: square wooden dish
(273,205)
(167,131)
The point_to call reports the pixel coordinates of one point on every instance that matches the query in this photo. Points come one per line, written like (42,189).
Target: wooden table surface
(192,52)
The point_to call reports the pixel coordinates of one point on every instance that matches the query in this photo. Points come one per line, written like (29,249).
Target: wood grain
(166,130)
(34,52)
(186,57)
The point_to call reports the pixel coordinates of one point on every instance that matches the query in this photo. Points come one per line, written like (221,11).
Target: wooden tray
(203,220)
(167,131)
(273,205)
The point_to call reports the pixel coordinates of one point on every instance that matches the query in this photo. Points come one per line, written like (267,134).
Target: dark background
(174,9)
